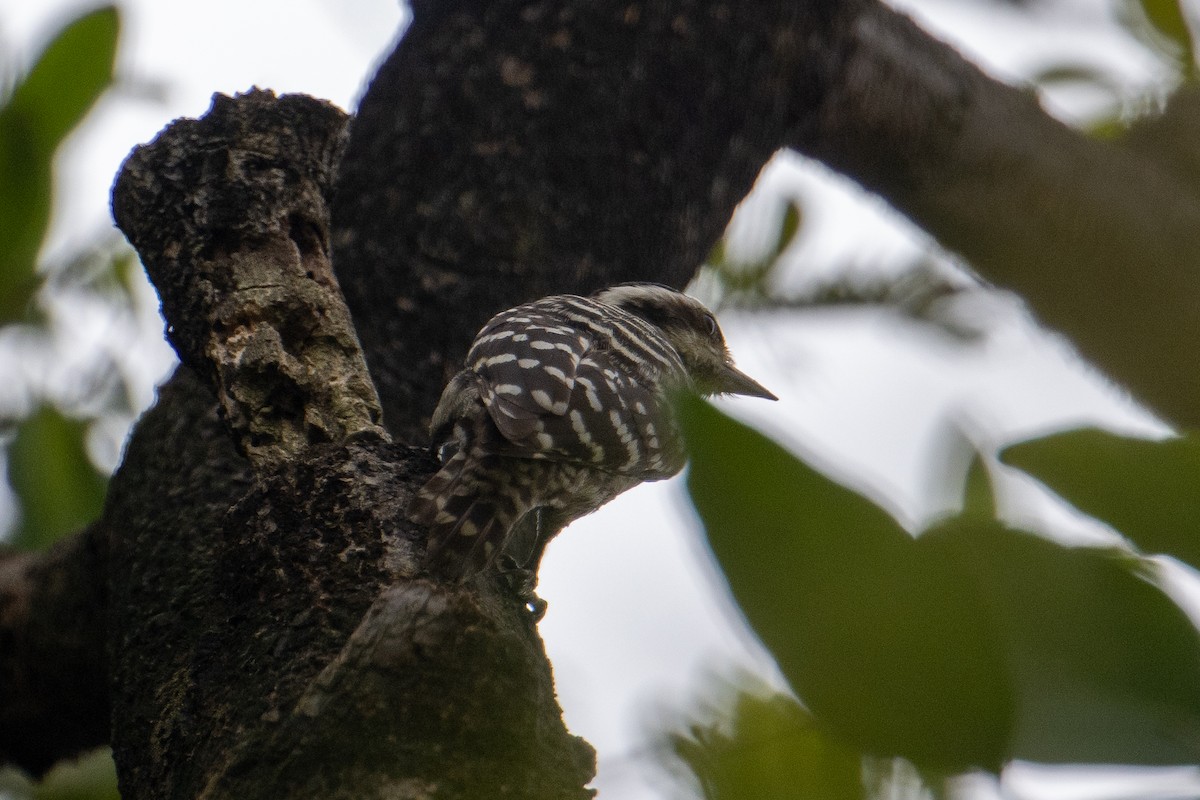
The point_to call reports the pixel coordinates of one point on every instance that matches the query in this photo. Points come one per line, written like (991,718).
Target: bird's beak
(734,381)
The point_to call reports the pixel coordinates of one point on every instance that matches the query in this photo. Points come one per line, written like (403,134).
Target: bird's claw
(523,582)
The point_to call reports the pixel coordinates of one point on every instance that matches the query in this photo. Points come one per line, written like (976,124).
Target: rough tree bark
(268,632)
(296,626)
(53,695)
(511,150)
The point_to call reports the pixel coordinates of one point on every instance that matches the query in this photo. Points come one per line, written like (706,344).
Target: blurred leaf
(1148,490)
(893,652)
(107,268)
(922,291)
(1102,125)
(68,77)
(769,749)
(127,268)
(1105,668)
(790,226)
(1167,18)
(58,489)
(971,645)
(1076,73)
(1110,127)
(1161,26)
(92,777)
(717,257)
(750,280)
(24,216)
(978,500)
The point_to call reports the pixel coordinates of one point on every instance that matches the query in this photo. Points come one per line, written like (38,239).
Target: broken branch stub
(229,215)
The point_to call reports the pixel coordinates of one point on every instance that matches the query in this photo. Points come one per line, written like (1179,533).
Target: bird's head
(692,330)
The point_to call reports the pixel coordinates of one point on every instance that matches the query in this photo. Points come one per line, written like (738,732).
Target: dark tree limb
(532,148)
(53,665)
(1102,238)
(509,150)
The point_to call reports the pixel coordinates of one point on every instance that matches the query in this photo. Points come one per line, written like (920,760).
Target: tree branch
(282,606)
(53,666)
(1103,240)
(245,277)
(510,150)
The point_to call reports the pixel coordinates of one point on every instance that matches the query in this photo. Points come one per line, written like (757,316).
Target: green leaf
(1167,18)
(790,226)
(130,275)
(893,652)
(68,77)
(1148,490)
(1074,73)
(108,269)
(769,749)
(1104,667)
(751,279)
(92,777)
(978,500)
(58,489)
(971,645)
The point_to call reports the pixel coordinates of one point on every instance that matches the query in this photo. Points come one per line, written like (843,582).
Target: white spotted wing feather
(564,382)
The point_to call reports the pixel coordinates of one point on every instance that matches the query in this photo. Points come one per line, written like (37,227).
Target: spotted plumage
(561,407)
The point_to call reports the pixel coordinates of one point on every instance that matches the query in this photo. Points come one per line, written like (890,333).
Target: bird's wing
(569,398)
(526,360)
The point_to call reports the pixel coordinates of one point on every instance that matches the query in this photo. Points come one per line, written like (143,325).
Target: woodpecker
(562,405)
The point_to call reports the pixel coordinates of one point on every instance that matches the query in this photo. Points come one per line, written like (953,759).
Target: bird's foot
(523,582)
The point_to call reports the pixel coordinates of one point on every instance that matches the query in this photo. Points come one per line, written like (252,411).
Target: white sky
(637,617)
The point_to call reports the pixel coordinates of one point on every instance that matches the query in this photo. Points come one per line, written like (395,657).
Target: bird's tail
(469,507)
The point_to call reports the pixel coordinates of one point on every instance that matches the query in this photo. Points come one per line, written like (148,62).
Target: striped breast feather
(618,421)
